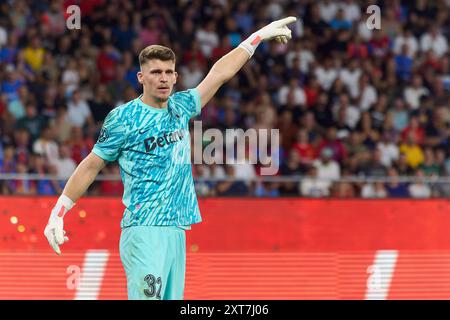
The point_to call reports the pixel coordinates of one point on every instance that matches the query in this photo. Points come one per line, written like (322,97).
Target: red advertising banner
(243,249)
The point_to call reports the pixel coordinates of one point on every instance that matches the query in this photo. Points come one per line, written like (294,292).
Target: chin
(163,98)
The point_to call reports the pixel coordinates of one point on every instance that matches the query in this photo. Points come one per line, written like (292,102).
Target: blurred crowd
(349,100)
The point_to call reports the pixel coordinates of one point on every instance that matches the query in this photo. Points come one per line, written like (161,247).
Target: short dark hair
(156,52)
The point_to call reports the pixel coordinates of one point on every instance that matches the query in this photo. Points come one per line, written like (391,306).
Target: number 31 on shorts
(153,283)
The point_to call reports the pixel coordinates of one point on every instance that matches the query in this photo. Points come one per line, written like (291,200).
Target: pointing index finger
(285,21)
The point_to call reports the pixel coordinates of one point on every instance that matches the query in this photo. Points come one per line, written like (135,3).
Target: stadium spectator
(406,38)
(233,187)
(25,186)
(331,142)
(400,115)
(389,150)
(292,167)
(413,151)
(64,164)
(374,190)
(327,168)
(343,190)
(414,92)
(46,146)
(367,94)
(437,129)
(312,186)
(32,122)
(191,75)
(419,189)
(201,173)
(79,144)
(62,125)
(22,144)
(12,83)
(16,107)
(44,186)
(374,167)
(3,34)
(71,77)
(434,40)
(404,63)
(291,88)
(372,89)
(34,54)
(207,38)
(395,188)
(78,111)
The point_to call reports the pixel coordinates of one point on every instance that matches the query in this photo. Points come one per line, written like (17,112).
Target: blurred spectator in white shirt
(419,189)
(71,77)
(274,10)
(191,75)
(389,150)
(364,32)
(352,10)
(368,95)
(78,111)
(434,40)
(208,38)
(46,146)
(292,88)
(303,53)
(328,10)
(352,113)
(350,77)
(406,37)
(312,186)
(414,92)
(3,34)
(327,169)
(65,165)
(326,74)
(373,190)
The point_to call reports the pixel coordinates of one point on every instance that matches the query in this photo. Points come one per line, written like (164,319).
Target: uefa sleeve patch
(103,136)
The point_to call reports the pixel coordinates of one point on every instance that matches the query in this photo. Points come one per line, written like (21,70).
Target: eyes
(159,72)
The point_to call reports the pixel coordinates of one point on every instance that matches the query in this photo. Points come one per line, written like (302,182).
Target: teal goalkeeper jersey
(152,147)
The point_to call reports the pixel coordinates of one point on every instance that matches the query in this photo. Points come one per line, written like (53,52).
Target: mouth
(163,89)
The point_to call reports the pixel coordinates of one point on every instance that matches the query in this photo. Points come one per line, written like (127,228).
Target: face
(158,78)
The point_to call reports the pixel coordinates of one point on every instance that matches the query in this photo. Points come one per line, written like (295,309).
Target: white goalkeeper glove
(54,231)
(277,30)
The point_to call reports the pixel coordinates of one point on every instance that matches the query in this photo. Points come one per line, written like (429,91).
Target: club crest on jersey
(164,140)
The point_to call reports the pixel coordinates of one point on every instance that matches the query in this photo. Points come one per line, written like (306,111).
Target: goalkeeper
(149,137)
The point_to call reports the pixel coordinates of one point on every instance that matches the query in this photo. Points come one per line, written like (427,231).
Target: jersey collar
(153,109)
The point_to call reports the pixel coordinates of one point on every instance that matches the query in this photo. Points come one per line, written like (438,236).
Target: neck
(151,101)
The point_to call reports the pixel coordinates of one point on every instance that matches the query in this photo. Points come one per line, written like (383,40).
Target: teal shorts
(154,259)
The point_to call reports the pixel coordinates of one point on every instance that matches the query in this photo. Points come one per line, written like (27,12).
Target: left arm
(227,66)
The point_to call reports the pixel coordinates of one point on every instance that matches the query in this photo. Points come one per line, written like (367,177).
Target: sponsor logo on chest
(163,140)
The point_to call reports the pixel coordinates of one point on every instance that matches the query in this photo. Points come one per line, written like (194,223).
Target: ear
(140,77)
(176,77)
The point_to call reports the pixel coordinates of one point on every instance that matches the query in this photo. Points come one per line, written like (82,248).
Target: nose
(164,78)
